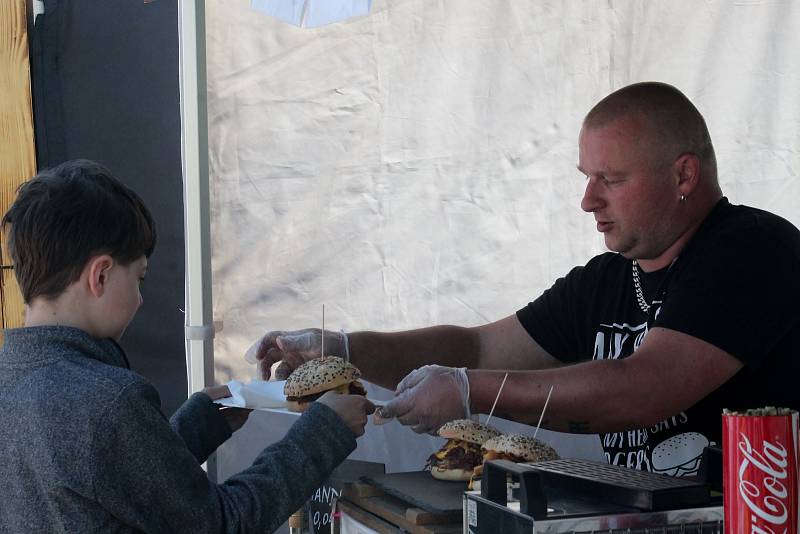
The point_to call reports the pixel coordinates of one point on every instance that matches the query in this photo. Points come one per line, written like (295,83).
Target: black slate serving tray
(420,489)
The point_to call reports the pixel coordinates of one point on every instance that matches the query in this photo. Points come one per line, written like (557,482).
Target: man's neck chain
(637,285)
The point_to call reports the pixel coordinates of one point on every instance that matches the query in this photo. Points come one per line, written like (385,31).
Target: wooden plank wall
(17,150)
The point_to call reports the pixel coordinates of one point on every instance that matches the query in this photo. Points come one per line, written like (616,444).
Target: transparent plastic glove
(292,349)
(429,397)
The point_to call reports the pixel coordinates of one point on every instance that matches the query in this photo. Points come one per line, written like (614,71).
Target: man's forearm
(384,358)
(668,373)
(587,398)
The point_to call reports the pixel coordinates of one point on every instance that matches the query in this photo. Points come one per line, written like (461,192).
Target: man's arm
(505,344)
(385,358)
(669,372)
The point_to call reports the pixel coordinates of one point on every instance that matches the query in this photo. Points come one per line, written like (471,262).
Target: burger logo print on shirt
(680,455)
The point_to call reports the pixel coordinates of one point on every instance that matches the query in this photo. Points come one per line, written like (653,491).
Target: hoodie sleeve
(145,474)
(200,424)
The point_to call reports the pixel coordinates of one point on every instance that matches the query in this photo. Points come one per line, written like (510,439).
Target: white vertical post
(197,226)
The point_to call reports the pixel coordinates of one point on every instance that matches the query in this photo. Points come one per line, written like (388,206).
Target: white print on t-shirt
(636,459)
(632,447)
(615,340)
(669,422)
(679,455)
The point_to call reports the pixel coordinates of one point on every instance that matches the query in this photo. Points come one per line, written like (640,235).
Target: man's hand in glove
(429,397)
(292,349)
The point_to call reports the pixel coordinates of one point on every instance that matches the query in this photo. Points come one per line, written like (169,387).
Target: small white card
(256,394)
(262,395)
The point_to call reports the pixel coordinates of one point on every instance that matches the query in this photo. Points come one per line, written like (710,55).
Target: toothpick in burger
(316,377)
(462,451)
(517,448)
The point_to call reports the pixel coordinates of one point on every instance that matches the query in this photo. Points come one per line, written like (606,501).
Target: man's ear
(687,169)
(97,270)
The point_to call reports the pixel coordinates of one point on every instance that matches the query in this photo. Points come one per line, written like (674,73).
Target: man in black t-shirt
(693,311)
(721,290)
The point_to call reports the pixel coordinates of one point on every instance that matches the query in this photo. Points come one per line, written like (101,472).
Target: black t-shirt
(736,285)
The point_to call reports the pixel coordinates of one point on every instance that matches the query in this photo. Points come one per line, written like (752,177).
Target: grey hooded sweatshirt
(84,447)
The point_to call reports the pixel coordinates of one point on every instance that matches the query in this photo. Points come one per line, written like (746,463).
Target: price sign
(320,512)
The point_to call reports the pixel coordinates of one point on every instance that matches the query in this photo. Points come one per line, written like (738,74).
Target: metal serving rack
(582,497)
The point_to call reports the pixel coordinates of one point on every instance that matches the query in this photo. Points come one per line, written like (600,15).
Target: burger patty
(491,455)
(353,388)
(455,454)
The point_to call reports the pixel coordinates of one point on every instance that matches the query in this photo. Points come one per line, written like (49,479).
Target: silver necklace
(637,285)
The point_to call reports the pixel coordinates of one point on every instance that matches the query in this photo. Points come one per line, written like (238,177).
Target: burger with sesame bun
(316,377)
(513,447)
(462,451)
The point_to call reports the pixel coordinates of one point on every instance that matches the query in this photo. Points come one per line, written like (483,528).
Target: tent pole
(199,327)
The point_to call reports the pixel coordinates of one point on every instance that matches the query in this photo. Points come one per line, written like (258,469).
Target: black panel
(105,86)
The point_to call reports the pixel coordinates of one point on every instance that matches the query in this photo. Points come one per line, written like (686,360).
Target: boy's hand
(217,392)
(353,409)
(235,417)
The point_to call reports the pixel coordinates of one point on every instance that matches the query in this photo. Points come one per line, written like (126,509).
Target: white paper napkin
(256,394)
(262,395)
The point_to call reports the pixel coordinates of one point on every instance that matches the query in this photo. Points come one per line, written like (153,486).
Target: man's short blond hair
(672,123)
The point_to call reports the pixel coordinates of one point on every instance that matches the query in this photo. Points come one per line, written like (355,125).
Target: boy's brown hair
(65,215)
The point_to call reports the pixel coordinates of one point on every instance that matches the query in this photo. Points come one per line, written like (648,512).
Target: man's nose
(591,200)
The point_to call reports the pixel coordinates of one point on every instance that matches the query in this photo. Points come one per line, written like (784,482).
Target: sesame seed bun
(525,447)
(318,375)
(468,430)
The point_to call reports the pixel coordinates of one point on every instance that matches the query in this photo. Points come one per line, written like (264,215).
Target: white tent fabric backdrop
(417,166)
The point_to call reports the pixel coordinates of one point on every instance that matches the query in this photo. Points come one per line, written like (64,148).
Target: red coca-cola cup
(760,472)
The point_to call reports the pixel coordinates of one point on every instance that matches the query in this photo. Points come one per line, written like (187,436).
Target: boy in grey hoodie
(84,443)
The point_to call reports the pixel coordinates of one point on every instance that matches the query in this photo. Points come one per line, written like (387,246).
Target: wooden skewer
(322,342)
(541,416)
(503,383)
